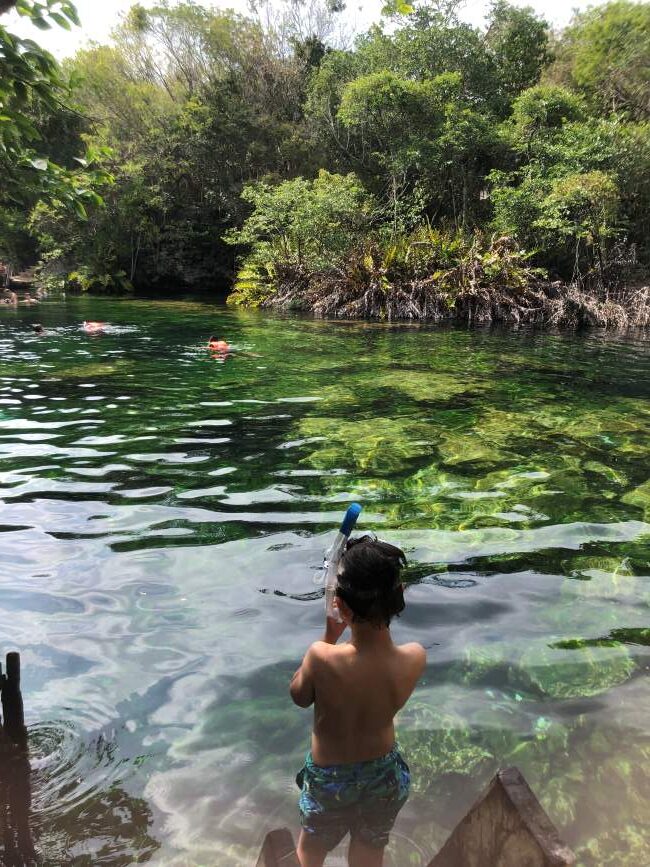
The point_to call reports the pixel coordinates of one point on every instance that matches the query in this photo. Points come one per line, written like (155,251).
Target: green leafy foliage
(520,45)
(544,108)
(230,137)
(297,225)
(31,83)
(605,53)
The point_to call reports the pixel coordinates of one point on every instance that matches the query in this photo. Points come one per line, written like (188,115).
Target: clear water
(163,514)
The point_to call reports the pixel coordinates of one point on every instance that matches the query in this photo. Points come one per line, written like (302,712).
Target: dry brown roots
(541,303)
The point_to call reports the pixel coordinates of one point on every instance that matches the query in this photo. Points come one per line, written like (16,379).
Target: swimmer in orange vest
(93,327)
(219,346)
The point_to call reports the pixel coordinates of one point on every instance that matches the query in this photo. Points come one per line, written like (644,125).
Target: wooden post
(15,787)
(12,703)
(278,850)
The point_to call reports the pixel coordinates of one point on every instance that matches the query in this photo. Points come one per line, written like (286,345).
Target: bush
(302,224)
(545,107)
(572,217)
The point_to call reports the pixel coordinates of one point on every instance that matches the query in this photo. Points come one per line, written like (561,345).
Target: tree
(539,116)
(199,102)
(297,228)
(519,43)
(395,119)
(425,138)
(168,45)
(31,88)
(605,53)
(436,120)
(122,110)
(430,42)
(583,208)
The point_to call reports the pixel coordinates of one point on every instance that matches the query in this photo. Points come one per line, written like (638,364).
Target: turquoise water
(164,512)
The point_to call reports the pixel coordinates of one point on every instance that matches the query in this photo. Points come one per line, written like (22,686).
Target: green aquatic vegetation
(339,395)
(322,418)
(616,766)
(610,473)
(466,448)
(549,763)
(616,637)
(421,385)
(514,480)
(631,636)
(539,667)
(619,846)
(580,422)
(609,763)
(92,370)
(415,385)
(386,444)
(489,440)
(438,743)
(482,661)
(273,715)
(583,674)
(640,497)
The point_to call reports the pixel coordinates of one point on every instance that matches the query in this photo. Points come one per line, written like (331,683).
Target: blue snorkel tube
(333,556)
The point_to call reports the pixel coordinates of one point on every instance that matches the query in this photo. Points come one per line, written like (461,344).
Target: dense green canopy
(202,116)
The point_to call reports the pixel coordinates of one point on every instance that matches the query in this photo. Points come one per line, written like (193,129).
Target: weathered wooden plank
(15,782)
(278,850)
(12,702)
(506,827)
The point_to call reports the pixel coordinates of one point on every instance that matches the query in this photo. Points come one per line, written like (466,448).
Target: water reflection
(149,495)
(82,813)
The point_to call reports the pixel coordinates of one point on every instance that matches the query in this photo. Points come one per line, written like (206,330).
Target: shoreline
(545,305)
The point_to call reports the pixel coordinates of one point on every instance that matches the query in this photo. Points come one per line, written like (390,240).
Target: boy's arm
(302,689)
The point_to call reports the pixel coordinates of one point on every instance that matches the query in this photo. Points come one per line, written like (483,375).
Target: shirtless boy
(354,779)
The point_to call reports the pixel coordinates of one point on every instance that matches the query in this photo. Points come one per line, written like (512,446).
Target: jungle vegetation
(427,168)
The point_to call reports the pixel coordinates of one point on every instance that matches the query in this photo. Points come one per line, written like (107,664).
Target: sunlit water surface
(164,512)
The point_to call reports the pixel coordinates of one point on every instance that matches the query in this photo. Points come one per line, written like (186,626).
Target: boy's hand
(333,630)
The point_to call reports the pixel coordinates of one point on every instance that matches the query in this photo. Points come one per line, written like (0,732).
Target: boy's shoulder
(321,654)
(325,650)
(414,653)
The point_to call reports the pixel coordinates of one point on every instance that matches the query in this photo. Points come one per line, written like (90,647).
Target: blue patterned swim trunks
(363,798)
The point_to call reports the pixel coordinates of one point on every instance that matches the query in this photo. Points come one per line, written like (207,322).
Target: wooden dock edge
(278,850)
(506,827)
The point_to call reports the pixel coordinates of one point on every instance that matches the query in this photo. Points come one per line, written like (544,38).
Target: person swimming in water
(221,349)
(219,345)
(92,327)
(37,328)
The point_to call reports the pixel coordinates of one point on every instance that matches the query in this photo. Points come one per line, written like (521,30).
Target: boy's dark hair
(369,580)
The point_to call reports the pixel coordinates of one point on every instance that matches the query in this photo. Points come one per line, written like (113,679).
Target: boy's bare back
(358,687)
(354,779)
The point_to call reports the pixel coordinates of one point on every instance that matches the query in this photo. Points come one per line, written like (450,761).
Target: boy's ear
(345,609)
